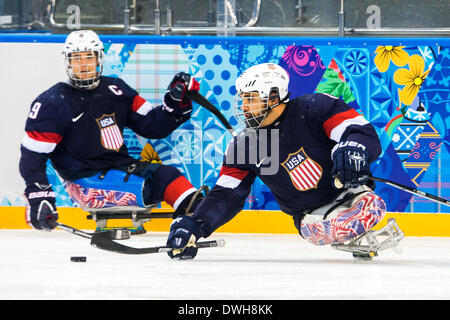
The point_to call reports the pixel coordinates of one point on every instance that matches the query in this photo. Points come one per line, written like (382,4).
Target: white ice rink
(36,265)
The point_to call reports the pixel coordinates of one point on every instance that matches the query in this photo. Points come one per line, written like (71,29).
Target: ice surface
(36,265)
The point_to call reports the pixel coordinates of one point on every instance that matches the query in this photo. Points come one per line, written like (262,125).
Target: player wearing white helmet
(260,89)
(84,56)
(78,125)
(319,137)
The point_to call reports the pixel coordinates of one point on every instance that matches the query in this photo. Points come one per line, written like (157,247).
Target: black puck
(78,259)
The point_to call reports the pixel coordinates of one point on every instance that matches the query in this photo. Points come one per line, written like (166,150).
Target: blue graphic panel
(402,86)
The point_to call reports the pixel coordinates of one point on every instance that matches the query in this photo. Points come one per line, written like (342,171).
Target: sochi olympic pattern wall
(400,85)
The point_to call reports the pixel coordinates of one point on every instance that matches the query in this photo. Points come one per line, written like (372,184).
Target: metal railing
(229,25)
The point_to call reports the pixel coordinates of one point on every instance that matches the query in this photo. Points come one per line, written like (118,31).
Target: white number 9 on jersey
(34,110)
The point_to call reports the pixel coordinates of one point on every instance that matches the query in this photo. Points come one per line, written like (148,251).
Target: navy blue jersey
(292,157)
(81,130)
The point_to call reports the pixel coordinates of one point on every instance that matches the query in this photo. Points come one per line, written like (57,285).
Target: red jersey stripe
(175,189)
(137,103)
(233,172)
(45,136)
(337,119)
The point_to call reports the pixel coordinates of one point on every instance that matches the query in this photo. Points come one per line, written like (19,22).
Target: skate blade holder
(377,240)
(138,216)
(120,234)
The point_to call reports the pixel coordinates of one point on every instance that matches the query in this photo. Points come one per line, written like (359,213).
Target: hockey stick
(118,234)
(72,230)
(412,191)
(104,240)
(202,101)
(338,184)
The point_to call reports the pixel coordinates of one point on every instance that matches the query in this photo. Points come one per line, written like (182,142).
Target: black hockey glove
(184,232)
(175,99)
(41,210)
(350,164)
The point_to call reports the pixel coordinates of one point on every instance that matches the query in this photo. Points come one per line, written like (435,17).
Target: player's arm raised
(158,122)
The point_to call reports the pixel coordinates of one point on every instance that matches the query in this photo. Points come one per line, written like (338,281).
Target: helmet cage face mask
(81,49)
(84,68)
(250,110)
(266,82)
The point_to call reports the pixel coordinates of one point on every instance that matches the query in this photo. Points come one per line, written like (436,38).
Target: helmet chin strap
(278,103)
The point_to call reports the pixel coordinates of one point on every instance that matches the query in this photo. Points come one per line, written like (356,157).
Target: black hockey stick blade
(102,240)
(201,100)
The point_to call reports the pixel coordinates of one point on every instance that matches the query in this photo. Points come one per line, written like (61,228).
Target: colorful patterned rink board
(400,85)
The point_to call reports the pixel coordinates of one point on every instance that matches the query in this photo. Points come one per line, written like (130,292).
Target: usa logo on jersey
(303,171)
(110,134)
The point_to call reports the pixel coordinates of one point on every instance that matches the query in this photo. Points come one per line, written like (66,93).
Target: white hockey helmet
(84,41)
(270,81)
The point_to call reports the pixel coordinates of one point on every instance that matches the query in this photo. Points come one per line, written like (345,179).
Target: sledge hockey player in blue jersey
(79,125)
(297,148)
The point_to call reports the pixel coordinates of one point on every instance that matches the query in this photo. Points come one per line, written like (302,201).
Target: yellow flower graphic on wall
(411,79)
(386,54)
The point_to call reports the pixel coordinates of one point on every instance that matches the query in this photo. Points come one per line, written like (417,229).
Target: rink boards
(247,221)
(415,141)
